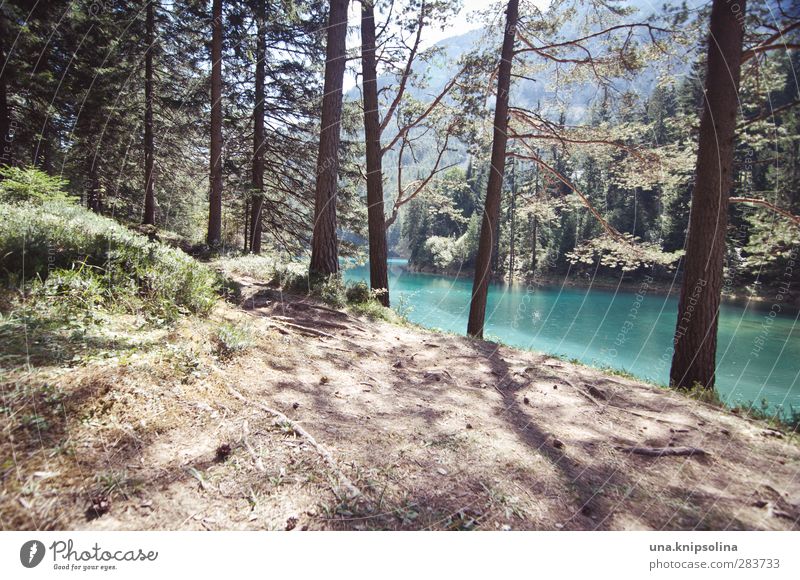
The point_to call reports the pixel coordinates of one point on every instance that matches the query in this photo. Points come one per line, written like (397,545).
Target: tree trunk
(258,132)
(694,359)
(513,216)
(246,221)
(534,235)
(6,146)
(149,183)
(94,196)
(214,237)
(378,258)
(325,245)
(480,287)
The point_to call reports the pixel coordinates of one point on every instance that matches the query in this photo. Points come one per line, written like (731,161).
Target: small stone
(324,380)
(526,400)
(469,425)
(555,386)
(558,444)
(726,432)
(441,471)
(295,406)
(759,503)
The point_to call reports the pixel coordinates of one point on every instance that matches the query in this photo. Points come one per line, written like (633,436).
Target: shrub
(29,185)
(358,292)
(80,289)
(329,289)
(375,311)
(62,239)
(231,339)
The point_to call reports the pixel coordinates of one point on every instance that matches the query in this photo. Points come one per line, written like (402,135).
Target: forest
(203,205)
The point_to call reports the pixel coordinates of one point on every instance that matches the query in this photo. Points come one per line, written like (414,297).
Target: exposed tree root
(664,451)
(301,329)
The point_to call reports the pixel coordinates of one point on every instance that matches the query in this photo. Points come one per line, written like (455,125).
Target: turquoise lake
(758,354)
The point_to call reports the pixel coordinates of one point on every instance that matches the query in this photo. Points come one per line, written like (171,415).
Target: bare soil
(332,421)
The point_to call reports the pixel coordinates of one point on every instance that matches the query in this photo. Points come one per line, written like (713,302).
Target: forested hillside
(207,208)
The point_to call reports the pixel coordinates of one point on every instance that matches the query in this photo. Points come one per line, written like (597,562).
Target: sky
(431,35)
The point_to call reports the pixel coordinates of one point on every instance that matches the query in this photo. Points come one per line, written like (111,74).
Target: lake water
(758,355)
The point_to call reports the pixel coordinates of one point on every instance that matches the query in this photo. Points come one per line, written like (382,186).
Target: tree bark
(149,177)
(257,206)
(694,359)
(214,237)
(513,210)
(480,287)
(378,253)
(534,249)
(94,195)
(6,146)
(325,245)
(246,220)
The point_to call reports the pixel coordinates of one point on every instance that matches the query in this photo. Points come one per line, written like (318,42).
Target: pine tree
(694,359)
(489,226)
(214,237)
(325,243)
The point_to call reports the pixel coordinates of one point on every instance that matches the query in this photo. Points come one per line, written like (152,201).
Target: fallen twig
(256,459)
(352,490)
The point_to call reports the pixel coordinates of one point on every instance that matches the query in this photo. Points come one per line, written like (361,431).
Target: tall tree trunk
(94,196)
(480,287)
(258,132)
(149,152)
(513,229)
(6,146)
(534,249)
(43,149)
(247,217)
(534,234)
(325,245)
(694,359)
(378,258)
(214,237)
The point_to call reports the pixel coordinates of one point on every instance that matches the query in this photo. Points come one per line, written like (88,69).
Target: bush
(29,185)
(231,339)
(78,247)
(79,289)
(329,289)
(358,293)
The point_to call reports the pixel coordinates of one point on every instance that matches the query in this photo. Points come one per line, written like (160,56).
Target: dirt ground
(331,421)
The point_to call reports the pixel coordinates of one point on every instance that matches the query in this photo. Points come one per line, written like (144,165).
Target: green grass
(58,252)
(232,339)
(778,417)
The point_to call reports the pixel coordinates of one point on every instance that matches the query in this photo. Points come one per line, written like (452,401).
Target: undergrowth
(56,252)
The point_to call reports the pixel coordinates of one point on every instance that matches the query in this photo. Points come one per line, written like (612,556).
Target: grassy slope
(115,416)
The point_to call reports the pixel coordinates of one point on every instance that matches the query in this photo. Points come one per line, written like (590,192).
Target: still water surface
(758,355)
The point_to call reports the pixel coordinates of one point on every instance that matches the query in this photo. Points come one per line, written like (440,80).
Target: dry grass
(437,432)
